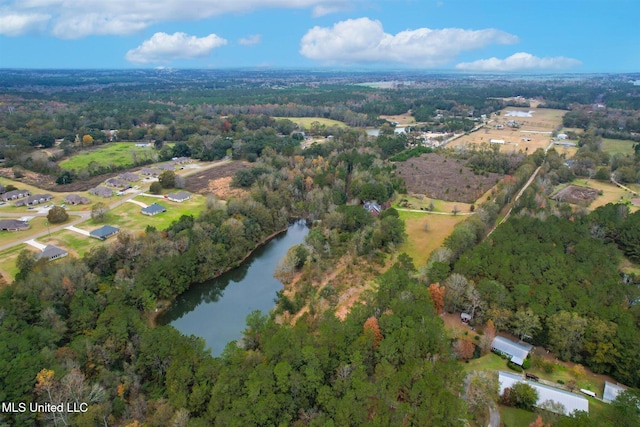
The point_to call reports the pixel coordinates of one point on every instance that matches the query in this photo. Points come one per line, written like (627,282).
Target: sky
(473,36)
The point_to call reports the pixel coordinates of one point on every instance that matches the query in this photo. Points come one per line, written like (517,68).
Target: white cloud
(363,41)
(15,24)
(70,19)
(163,48)
(250,40)
(520,61)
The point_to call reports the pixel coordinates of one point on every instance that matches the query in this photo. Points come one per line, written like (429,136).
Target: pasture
(618,146)
(420,242)
(115,153)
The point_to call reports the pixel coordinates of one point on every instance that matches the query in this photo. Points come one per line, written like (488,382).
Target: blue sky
(581,36)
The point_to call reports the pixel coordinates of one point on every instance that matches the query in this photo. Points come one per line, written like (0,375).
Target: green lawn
(514,417)
(75,243)
(488,362)
(617,146)
(8,258)
(115,153)
(127,217)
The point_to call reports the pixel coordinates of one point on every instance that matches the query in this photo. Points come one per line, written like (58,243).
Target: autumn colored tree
(87,140)
(488,337)
(371,326)
(464,349)
(538,422)
(437,296)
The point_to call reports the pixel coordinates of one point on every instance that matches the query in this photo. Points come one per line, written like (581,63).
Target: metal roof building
(517,351)
(570,401)
(104,232)
(611,391)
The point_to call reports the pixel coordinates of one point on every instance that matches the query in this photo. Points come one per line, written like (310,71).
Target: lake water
(216,310)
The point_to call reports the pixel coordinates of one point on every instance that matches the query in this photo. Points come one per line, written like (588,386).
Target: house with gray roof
(517,352)
(13,225)
(104,232)
(149,172)
(2,189)
(14,195)
(115,182)
(51,252)
(129,176)
(153,209)
(180,196)
(36,199)
(570,402)
(101,191)
(166,166)
(74,199)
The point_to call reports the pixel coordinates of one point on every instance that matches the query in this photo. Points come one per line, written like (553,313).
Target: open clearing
(204,182)
(576,195)
(420,243)
(115,153)
(610,193)
(8,258)
(541,123)
(438,176)
(618,146)
(306,122)
(400,119)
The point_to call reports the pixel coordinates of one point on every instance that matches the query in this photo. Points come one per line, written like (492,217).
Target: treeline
(557,283)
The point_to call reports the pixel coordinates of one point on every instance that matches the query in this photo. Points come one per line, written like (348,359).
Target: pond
(216,310)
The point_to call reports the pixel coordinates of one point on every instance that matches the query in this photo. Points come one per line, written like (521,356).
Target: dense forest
(81,330)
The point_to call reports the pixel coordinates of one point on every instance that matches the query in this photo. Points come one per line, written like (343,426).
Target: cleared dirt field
(421,243)
(305,122)
(607,193)
(440,177)
(401,119)
(534,132)
(215,180)
(577,195)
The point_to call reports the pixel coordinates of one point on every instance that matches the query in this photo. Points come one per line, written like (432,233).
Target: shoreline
(163,305)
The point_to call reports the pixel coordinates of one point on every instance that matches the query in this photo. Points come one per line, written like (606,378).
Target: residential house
(36,199)
(181,160)
(13,225)
(517,352)
(373,208)
(74,199)
(153,209)
(2,190)
(51,252)
(101,191)
(179,197)
(118,183)
(129,176)
(149,172)
(566,402)
(104,232)
(166,166)
(14,195)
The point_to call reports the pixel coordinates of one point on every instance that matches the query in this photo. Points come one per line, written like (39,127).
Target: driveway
(142,205)
(78,230)
(36,244)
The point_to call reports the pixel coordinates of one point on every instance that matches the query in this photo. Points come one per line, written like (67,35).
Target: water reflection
(216,310)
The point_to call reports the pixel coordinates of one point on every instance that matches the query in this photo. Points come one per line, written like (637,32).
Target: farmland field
(118,154)
(441,177)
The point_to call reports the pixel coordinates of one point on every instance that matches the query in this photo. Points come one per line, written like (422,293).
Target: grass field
(514,417)
(127,217)
(8,258)
(618,146)
(75,243)
(438,205)
(610,193)
(305,122)
(36,225)
(420,243)
(116,153)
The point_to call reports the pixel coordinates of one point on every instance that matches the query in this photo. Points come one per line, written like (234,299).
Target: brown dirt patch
(441,177)
(575,194)
(216,180)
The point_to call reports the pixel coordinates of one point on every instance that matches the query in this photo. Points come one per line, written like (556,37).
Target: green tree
(155,188)
(525,323)
(99,212)
(167,179)
(566,333)
(521,395)
(57,215)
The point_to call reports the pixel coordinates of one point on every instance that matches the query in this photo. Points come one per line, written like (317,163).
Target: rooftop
(517,351)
